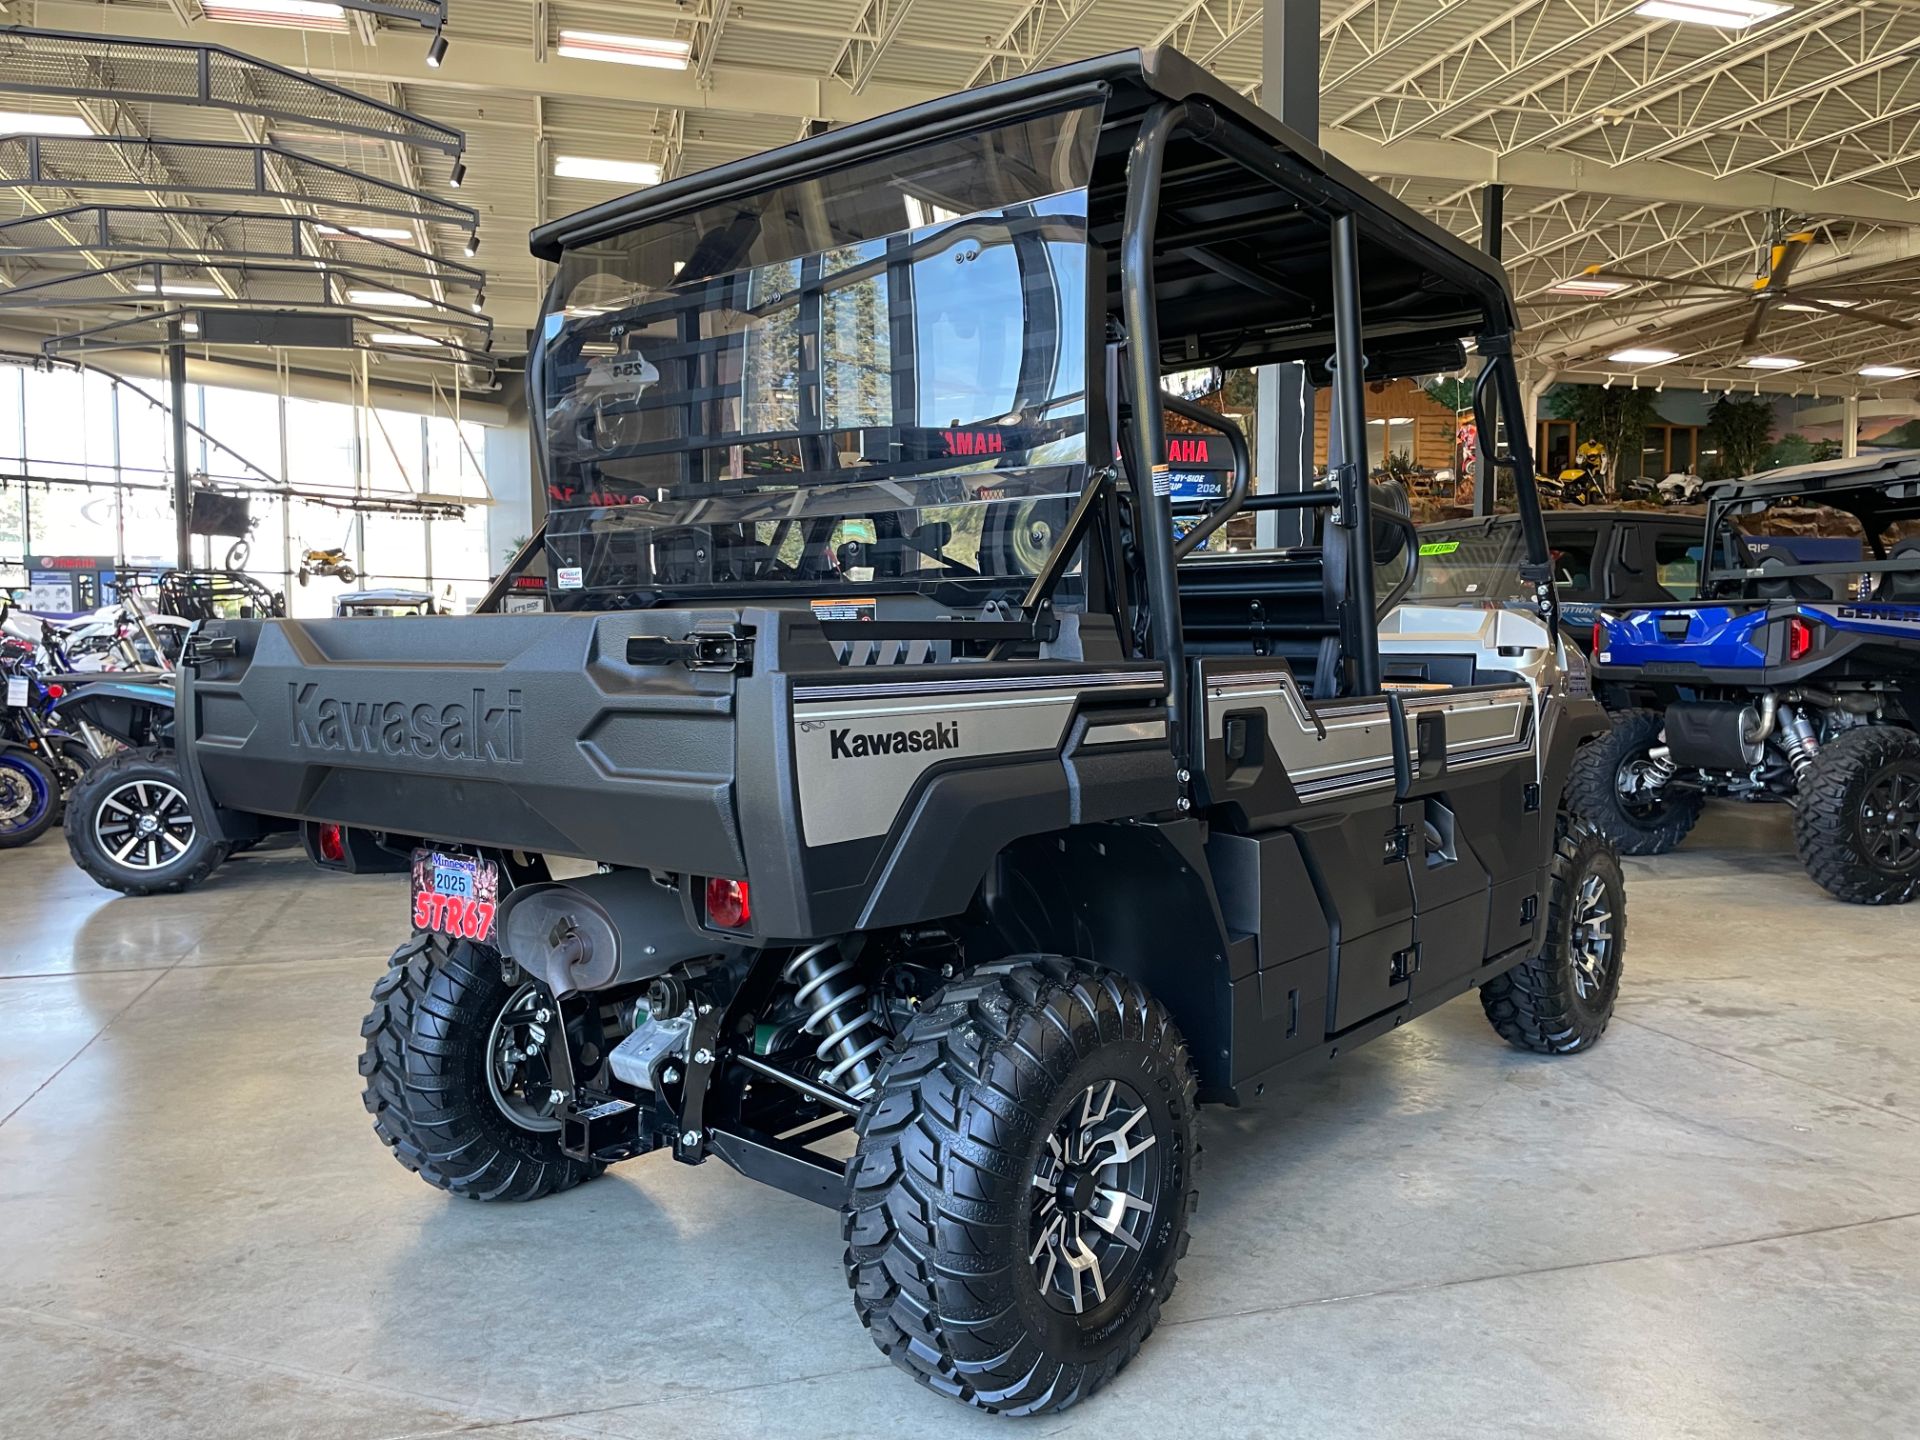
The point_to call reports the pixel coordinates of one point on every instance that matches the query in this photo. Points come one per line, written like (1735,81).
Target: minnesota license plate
(455,895)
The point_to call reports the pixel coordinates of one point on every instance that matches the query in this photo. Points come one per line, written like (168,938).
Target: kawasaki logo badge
(843,746)
(483,729)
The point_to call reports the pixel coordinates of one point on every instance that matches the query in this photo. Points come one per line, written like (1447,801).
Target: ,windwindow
(1476,563)
(1676,562)
(874,378)
(1573,561)
(99,454)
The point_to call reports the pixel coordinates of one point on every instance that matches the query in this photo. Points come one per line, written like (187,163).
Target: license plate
(455,895)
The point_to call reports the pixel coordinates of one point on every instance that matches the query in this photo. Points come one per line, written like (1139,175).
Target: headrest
(1787,587)
(1902,584)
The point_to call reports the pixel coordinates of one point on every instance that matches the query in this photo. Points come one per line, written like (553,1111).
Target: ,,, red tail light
(332,844)
(1799,638)
(1599,636)
(728,904)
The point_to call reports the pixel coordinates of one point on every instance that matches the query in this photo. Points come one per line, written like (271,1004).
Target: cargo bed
(523,732)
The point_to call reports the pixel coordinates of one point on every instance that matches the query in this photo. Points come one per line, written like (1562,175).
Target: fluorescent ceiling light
(19,122)
(369,232)
(398,337)
(1772,362)
(619,172)
(1807,309)
(1644,357)
(1586,285)
(297,14)
(625,49)
(1721,14)
(189,327)
(1886,372)
(388,299)
(148,288)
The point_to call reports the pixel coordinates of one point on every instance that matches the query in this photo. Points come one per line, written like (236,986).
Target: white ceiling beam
(1636,180)
(1892,159)
(1884,249)
(1531,61)
(874,32)
(1234,28)
(1723,255)
(1409,89)
(1808,90)
(479,65)
(1651,230)
(501,67)
(1752,46)
(1828,353)
(1030,40)
(1392,43)
(707,31)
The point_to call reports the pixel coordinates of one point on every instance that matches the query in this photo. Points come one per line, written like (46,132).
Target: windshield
(1474,564)
(871,379)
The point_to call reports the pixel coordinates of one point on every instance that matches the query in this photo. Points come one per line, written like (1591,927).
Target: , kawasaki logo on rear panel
(484,728)
(843,745)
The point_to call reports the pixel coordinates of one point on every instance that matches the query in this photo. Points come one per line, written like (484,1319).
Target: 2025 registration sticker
(455,895)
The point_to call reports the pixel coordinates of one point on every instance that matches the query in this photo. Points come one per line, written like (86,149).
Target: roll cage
(1878,491)
(1215,236)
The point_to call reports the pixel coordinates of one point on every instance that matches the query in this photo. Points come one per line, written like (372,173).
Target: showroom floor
(1708,1227)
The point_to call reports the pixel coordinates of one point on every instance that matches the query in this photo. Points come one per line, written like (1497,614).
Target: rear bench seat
(1277,603)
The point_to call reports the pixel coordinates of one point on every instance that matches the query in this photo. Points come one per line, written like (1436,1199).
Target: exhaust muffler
(600,931)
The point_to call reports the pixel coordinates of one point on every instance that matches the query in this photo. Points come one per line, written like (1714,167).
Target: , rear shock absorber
(1796,734)
(836,1010)
(1659,767)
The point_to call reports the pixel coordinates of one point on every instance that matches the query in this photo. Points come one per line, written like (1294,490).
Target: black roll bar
(1292,500)
(1355,514)
(1146,439)
(1146,442)
(1499,381)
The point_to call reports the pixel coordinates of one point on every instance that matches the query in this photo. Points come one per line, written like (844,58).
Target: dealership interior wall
(97,450)
(1706,1226)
